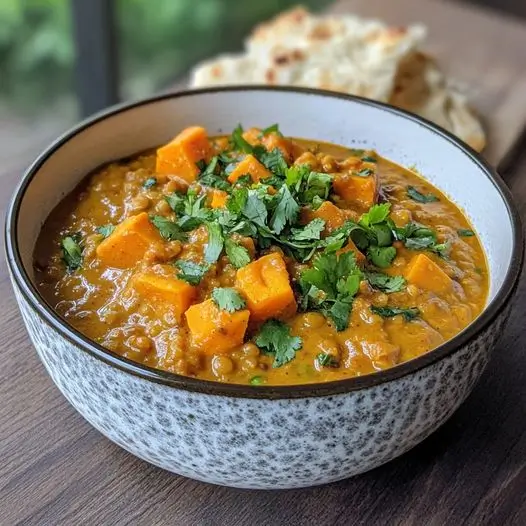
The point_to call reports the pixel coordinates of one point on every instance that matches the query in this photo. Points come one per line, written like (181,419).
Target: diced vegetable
(351,247)
(426,274)
(265,284)
(251,166)
(273,141)
(214,330)
(164,292)
(219,199)
(129,242)
(180,156)
(363,190)
(330,213)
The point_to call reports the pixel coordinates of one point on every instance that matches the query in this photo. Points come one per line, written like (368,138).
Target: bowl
(257,436)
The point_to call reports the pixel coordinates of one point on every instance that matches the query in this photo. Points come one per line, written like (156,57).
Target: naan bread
(350,55)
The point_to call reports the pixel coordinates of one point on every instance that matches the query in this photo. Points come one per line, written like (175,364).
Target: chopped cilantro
(274,338)
(307,185)
(239,142)
(274,128)
(191,272)
(311,231)
(381,256)
(257,380)
(377,214)
(388,312)
(327,360)
(254,208)
(273,161)
(212,175)
(369,159)
(150,182)
(168,229)
(236,253)
(286,211)
(385,283)
(330,286)
(417,196)
(105,230)
(72,251)
(215,243)
(465,232)
(228,299)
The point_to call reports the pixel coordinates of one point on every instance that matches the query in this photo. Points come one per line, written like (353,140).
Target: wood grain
(55,469)
(482,49)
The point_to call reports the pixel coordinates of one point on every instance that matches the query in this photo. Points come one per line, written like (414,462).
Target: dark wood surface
(55,469)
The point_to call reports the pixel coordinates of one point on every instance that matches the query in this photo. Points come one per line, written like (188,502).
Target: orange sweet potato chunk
(273,141)
(249,165)
(214,330)
(327,211)
(363,190)
(252,136)
(219,199)
(266,286)
(350,246)
(426,274)
(128,243)
(164,292)
(179,156)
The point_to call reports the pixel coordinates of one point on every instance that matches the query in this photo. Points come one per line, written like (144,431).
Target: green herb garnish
(274,338)
(415,195)
(327,360)
(364,172)
(168,229)
(465,232)
(236,253)
(228,299)
(385,283)
(369,159)
(215,243)
(72,251)
(257,380)
(274,128)
(191,272)
(388,312)
(239,142)
(105,230)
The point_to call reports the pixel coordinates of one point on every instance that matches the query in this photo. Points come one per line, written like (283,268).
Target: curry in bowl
(259,259)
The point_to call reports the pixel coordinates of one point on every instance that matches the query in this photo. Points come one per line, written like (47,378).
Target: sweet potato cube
(266,287)
(219,199)
(214,330)
(330,213)
(252,136)
(360,258)
(164,292)
(274,141)
(179,156)
(426,274)
(128,243)
(251,166)
(363,190)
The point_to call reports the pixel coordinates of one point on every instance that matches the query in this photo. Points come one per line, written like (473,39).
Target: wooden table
(56,469)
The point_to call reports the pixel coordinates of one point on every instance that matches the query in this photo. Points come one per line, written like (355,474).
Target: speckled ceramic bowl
(265,437)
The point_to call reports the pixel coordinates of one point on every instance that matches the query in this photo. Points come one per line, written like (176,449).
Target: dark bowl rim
(47,314)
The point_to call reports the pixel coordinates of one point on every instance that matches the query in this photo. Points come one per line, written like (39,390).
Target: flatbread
(350,55)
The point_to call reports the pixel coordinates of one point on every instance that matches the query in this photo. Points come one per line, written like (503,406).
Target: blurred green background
(158,41)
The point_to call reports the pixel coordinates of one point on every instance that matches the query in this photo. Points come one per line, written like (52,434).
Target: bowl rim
(47,314)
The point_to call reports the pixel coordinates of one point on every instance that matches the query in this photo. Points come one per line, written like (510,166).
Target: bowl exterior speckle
(260,443)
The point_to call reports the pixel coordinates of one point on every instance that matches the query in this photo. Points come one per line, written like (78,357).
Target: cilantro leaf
(191,272)
(149,183)
(369,159)
(385,283)
(105,230)
(72,251)
(211,175)
(228,299)
(376,214)
(417,196)
(215,243)
(306,185)
(465,232)
(274,128)
(239,142)
(254,209)
(168,229)
(236,253)
(388,312)
(274,338)
(327,360)
(311,231)
(286,211)
(273,161)
(381,256)
(257,380)
(339,314)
